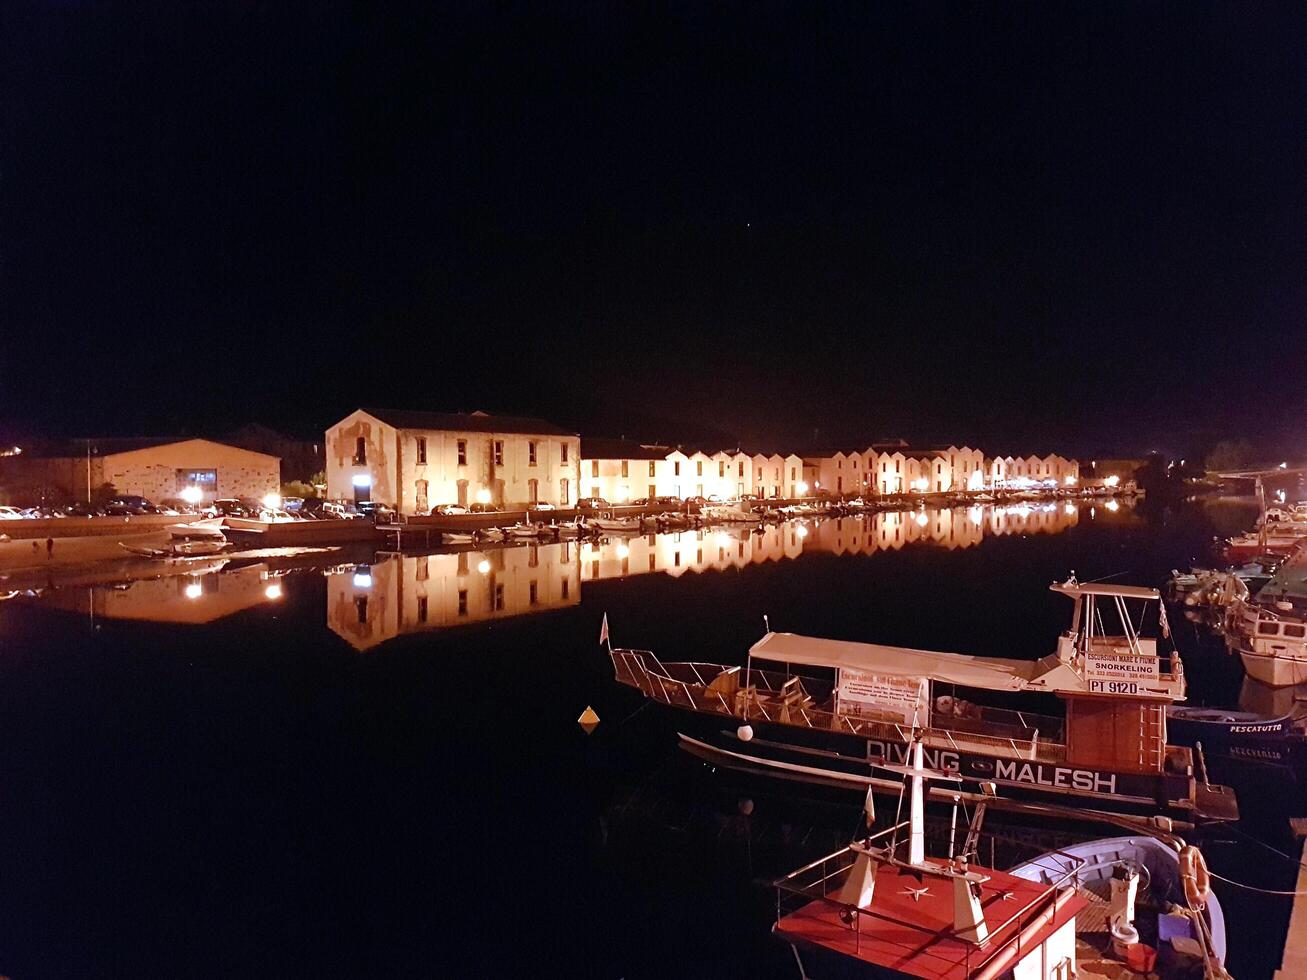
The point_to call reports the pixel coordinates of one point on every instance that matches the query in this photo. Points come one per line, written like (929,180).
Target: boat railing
(822,879)
(720,690)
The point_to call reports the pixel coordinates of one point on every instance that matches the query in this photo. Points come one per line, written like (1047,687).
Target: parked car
(448,510)
(592,503)
(228,507)
(376,510)
(642,501)
(541,505)
(10,514)
(175,505)
(275,515)
(129,505)
(749,498)
(485,509)
(82,509)
(668,501)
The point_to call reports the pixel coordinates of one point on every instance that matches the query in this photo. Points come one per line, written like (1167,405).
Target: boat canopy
(985,673)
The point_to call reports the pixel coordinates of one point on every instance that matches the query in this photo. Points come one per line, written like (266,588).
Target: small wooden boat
(490,534)
(1121,876)
(527,530)
(1221,728)
(457,537)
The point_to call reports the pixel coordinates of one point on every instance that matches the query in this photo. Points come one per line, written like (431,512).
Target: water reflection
(391,594)
(399,594)
(202,595)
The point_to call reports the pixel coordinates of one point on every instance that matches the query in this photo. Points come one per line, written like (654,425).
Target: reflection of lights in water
(1111,481)
(1070,508)
(623,551)
(1093,512)
(1112,505)
(802,488)
(194,590)
(922,520)
(975,513)
(724,539)
(801,531)
(363,580)
(1022,511)
(273,591)
(484,566)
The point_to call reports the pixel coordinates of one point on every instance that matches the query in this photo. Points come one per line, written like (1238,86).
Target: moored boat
(1219,729)
(193,540)
(615,525)
(830,710)
(1269,630)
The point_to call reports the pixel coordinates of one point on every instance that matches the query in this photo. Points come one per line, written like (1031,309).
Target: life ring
(1197,881)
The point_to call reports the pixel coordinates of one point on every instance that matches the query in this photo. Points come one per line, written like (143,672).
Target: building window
(422,609)
(594,468)
(535,594)
(653,561)
(204,479)
(499,452)
(699,471)
(422,450)
(625,464)
(462,602)
(530,454)
(564,453)
(563,497)
(721,468)
(651,468)
(499,597)
(462,452)
(423,569)
(741,471)
(792,472)
(567,588)
(676,468)
(361,608)
(360,451)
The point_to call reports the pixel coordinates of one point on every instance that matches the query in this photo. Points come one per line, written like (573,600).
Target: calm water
(373,768)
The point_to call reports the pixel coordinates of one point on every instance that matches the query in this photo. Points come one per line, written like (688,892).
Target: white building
(414,461)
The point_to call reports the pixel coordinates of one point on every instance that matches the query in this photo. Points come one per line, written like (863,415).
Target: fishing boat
(1275,539)
(883,907)
(1269,629)
(521,530)
(570,529)
(616,525)
(1219,729)
(827,711)
(1138,890)
(724,514)
(194,540)
(490,534)
(457,537)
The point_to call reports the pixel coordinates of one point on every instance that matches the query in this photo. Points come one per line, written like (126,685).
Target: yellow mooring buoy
(589,720)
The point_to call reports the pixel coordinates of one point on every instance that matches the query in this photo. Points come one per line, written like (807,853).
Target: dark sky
(1079,227)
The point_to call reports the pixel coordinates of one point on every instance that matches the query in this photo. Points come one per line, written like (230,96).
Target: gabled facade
(414,461)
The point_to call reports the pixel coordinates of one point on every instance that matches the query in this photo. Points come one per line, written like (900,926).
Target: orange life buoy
(1197,882)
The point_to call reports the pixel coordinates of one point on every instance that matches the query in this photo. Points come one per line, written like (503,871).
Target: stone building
(414,461)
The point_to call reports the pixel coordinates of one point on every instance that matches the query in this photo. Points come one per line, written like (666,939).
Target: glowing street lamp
(483,566)
(272,501)
(483,496)
(623,551)
(802,488)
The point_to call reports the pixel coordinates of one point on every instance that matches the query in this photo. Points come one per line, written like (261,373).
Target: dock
(1293,963)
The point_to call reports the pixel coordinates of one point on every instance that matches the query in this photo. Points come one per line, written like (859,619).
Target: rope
(1254,888)
(1288,857)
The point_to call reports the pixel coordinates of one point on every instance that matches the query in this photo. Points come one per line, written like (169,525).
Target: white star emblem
(915,893)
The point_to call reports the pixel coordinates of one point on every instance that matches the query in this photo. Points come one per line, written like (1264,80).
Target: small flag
(1166,627)
(603,631)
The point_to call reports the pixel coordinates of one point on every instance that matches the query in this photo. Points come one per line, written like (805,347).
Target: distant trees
(297,488)
(1230,454)
(102,494)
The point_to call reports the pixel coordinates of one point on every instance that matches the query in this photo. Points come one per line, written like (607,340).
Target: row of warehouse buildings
(414,461)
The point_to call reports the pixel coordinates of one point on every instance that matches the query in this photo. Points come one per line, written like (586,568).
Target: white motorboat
(615,525)
(194,540)
(726,514)
(527,530)
(457,537)
(1269,630)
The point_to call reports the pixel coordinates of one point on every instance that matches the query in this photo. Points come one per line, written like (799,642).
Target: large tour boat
(1269,629)
(829,711)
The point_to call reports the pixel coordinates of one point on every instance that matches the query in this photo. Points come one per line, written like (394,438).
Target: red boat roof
(911,931)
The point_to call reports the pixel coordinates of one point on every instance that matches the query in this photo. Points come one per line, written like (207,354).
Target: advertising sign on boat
(1119,673)
(884,696)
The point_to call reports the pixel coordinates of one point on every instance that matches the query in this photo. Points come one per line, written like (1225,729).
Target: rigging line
(1254,888)
(1261,843)
(1106,577)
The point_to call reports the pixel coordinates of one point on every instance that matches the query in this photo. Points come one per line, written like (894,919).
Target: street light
(802,488)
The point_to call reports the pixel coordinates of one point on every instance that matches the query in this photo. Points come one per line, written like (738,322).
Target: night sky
(1036,226)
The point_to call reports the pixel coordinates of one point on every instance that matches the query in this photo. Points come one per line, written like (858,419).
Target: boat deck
(910,927)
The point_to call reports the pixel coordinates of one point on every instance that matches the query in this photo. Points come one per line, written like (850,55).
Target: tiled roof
(467,422)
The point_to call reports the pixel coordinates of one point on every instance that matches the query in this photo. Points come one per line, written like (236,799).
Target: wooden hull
(847,761)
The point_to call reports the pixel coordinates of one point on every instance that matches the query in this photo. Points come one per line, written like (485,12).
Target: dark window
(499,597)
(422,609)
(499,452)
(564,452)
(531,454)
(535,593)
(422,450)
(594,467)
(462,452)
(567,588)
(699,467)
(360,451)
(651,467)
(677,469)
(625,464)
(462,602)
(361,607)
(204,479)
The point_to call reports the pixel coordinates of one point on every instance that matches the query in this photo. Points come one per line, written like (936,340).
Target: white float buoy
(744,733)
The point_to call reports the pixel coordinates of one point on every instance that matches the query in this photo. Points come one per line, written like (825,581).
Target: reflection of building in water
(193,598)
(412,593)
